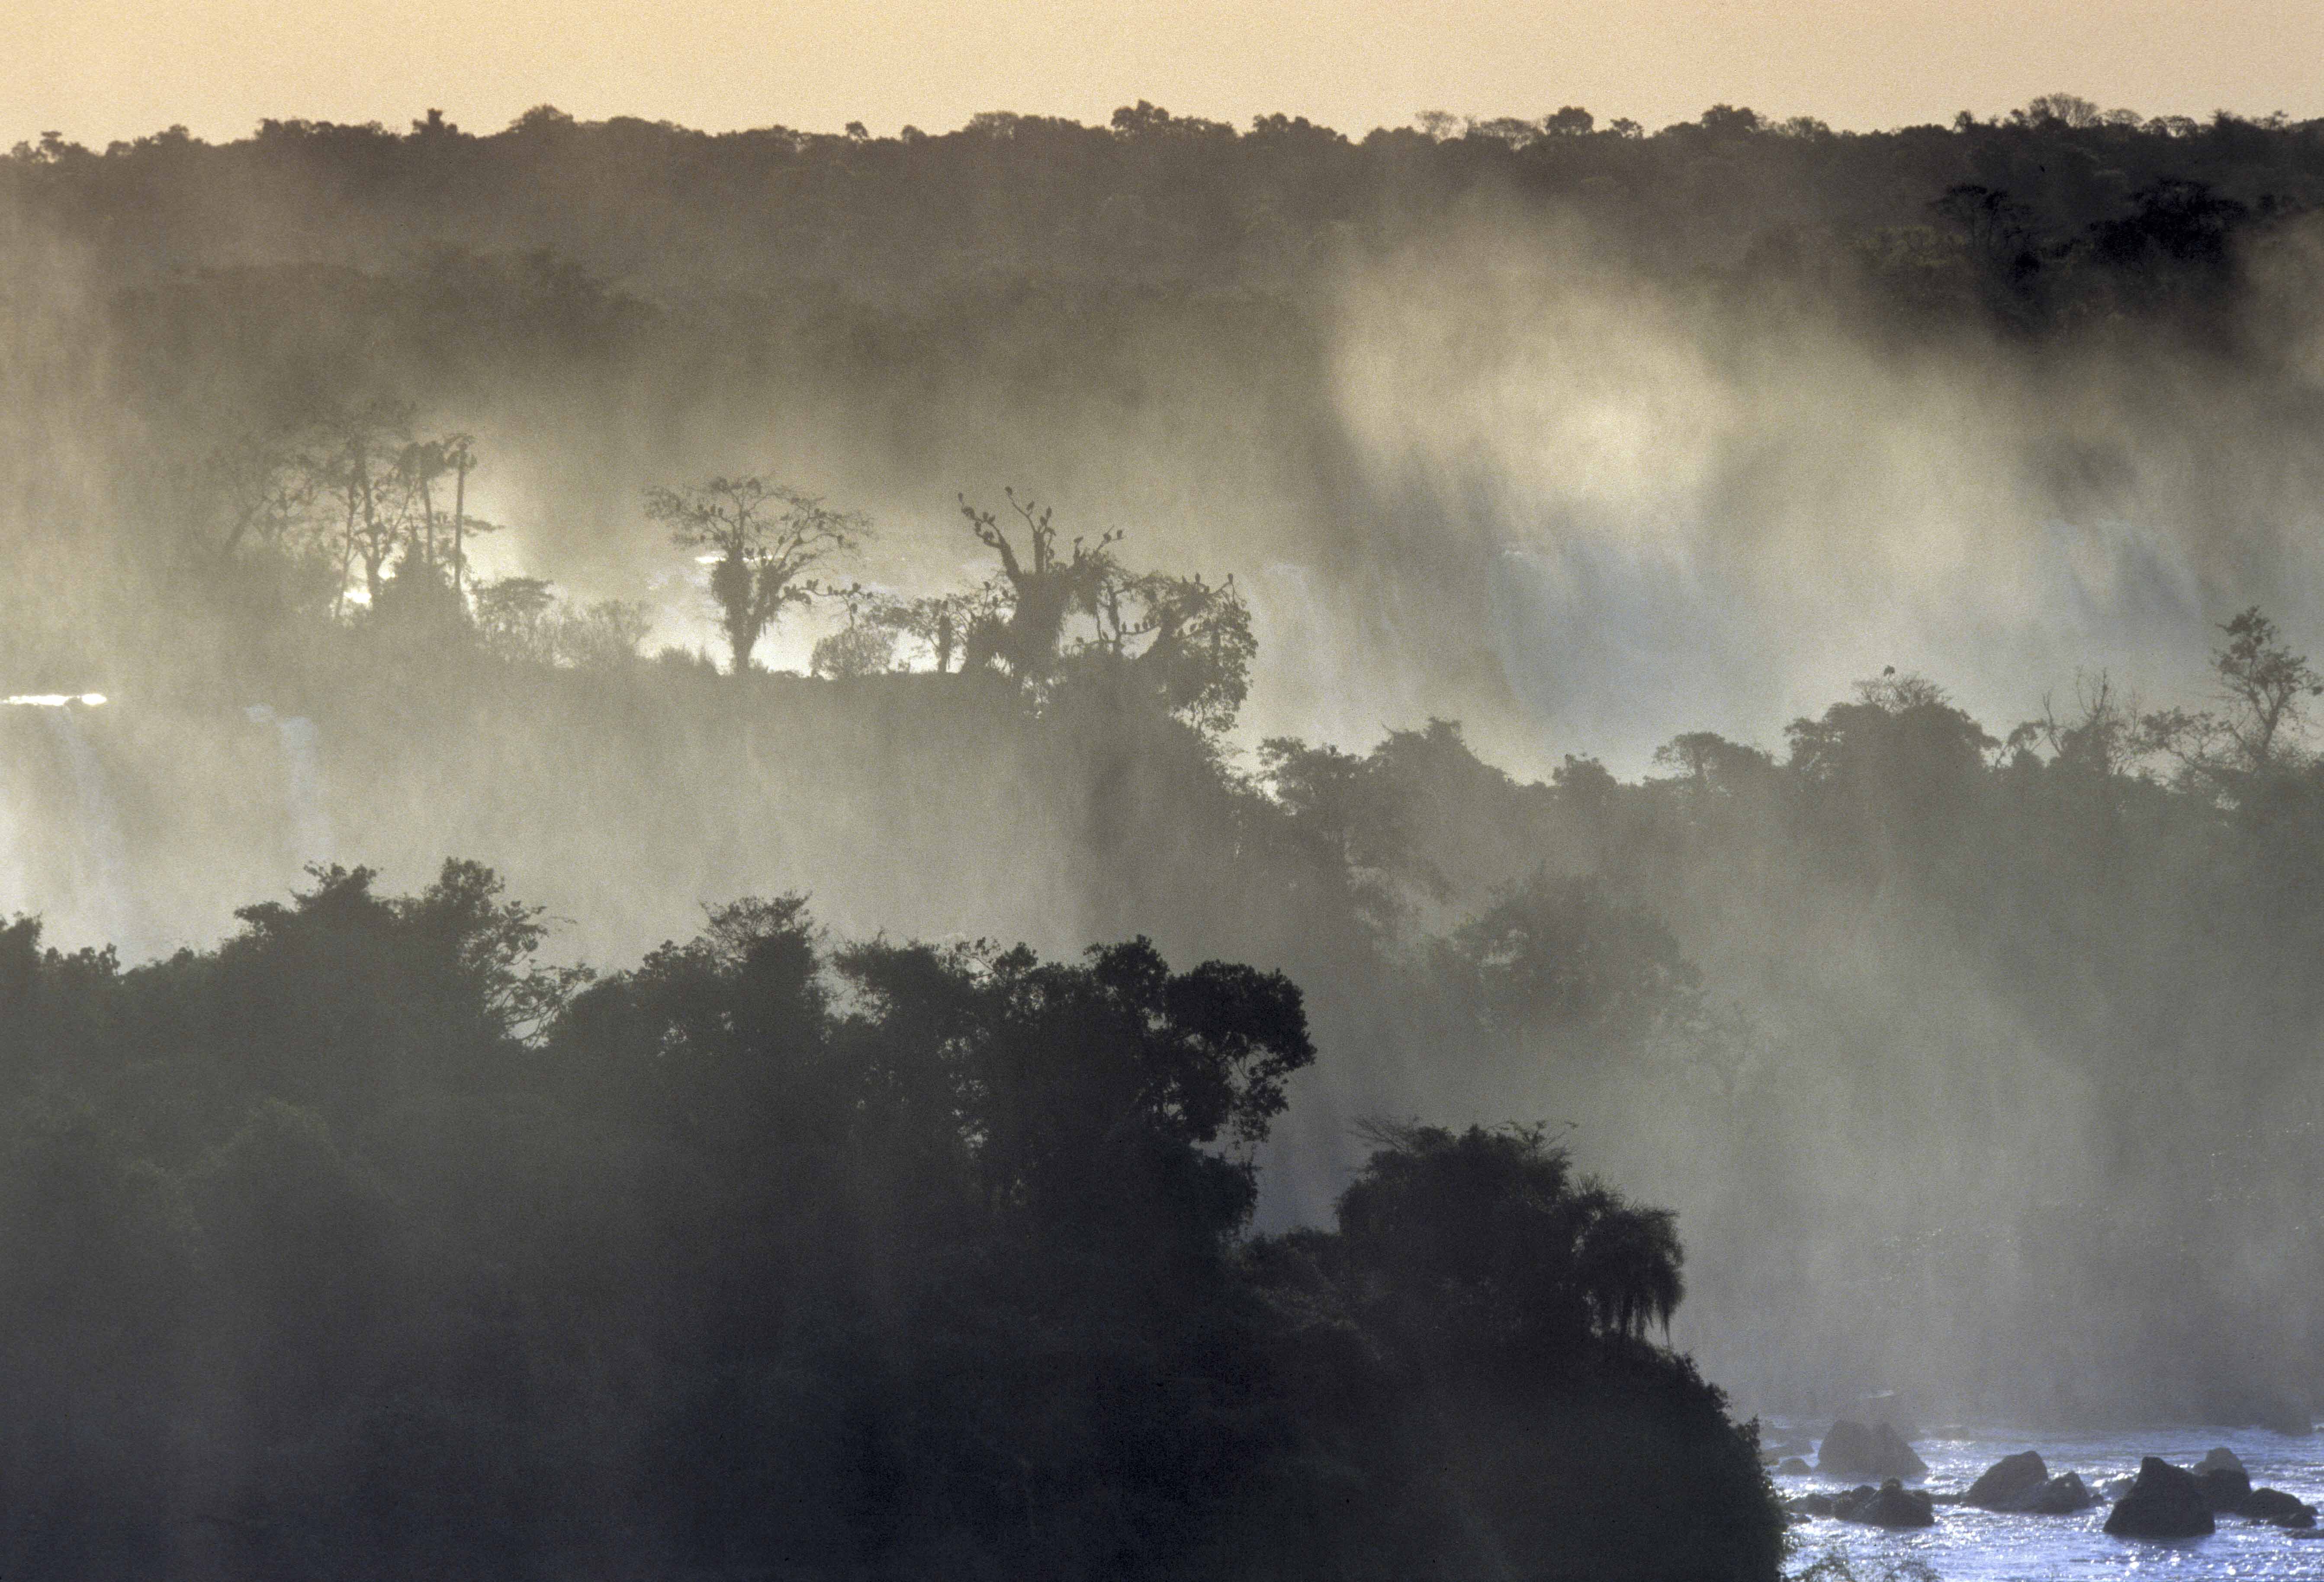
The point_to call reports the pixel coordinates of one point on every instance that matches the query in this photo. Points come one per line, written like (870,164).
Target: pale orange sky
(100,70)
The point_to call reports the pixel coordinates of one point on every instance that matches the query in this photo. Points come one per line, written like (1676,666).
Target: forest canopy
(1279,547)
(363,1244)
(2037,219)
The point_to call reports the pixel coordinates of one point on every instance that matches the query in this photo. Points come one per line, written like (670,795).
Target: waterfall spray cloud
(104,865)
(302,781)
(1755,500)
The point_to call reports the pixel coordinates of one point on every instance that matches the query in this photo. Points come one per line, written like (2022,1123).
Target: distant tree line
(344,506)
(2055,216)
(2102,918)
(351,301)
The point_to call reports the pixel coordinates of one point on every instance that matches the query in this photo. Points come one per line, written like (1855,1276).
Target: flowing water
(302,781)
(1969,1545)
(103,874)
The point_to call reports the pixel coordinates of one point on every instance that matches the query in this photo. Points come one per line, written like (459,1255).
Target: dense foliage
(181,303)
(1926,1033)
(1979,1058)
(365,1247)
(2050,214)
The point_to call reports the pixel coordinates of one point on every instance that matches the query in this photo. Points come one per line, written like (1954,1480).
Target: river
(1968,1545)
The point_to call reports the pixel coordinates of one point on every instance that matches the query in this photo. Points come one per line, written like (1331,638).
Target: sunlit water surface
(1968,1545)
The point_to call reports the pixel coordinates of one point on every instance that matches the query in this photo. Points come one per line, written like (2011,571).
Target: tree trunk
(459,524)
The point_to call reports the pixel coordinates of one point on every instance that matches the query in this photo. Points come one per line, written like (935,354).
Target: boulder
(2022,1484)
(1902,1460)
(2003,1486)
(2163,1501)
(2278,1508)
(2225,1484)
(2061,1496)
(1794,1466)
(1845,1444)
(1892,1505)
(2225,1488)
(2218,1458)
(1810,1505)
(1852,1450)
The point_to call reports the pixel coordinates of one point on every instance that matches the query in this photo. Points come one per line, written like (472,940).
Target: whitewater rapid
(1968,1545)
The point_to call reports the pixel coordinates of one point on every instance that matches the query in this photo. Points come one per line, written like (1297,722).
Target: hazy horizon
(102,73)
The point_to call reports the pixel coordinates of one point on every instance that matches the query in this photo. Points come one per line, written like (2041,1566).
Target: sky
(98,71)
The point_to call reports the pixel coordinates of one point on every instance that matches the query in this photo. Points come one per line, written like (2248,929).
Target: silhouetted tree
(511,613)
(2264,689)
(866,644)
(254,491)
(354,465)
(1045,589)
(761,538)
(1489,1248)
(1560,955)
(1712,766)
(1895,775)
(1188,642)
(457,453)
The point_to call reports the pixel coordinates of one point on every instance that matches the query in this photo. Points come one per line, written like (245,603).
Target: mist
(1715,601)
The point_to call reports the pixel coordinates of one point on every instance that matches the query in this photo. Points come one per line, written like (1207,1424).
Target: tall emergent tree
(761,538)
(2261,726)
(458,455)
(1045,589)
(1185,642)
(257,491)
(354,472)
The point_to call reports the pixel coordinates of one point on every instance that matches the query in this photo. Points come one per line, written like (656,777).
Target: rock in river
(2218,1458)
(2225,1488)
(1892,1505)
(2283,1509)
(2164,1501)
(2022,1483)
(1853,1450)
(2061,1496)
(2009,1482)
